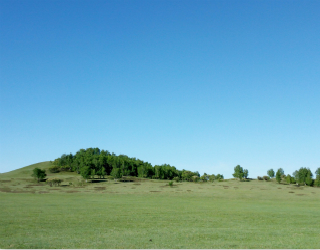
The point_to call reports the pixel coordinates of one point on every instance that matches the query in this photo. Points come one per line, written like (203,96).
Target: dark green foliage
(270,172)
(93,161)
(245,173)
(280,170)
(302,174)
(238,172)
(219,177)
(278,175)
(39,174)
(317,180)
(265,177)
(309,180)
(288,179)
(103,172)
(260,178)
(171,183)
(54,169)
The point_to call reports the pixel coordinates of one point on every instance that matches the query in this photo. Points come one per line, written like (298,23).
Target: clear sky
(200,85)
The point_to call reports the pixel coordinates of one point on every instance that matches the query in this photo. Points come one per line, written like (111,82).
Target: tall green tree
(238,172)
(245,173)
(278,175)
(270,172)
(317,180)
(39,174)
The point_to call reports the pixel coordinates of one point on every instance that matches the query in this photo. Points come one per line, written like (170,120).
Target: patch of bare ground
(99,188)
(291,192)
(5,181)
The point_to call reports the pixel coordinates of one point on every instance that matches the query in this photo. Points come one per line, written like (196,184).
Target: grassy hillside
(25,172)
(230,214)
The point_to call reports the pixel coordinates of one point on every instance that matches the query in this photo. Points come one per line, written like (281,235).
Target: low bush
(266,177)
(54,181)
(260,178)
(171,183)
(176,179)
(54,169)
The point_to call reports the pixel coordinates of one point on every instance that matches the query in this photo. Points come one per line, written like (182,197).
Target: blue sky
(201,85)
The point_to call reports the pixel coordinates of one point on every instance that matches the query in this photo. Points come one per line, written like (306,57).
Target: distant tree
(115,173)
(303,174)
(93,173)
(317,180)
(238,172)
(288,179)
(309,180)
(103,172)
(278,175)
(195,178)
(212,177)
(270,172)
(245,173)
(219,176)
(317,173)
(204,177)
(39,174)
(281,171)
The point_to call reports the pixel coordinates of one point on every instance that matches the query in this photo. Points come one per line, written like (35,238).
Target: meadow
(151,214)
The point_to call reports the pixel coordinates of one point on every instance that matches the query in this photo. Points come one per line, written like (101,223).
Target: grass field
(230,214)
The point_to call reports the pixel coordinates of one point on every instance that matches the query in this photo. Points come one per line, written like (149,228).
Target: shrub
(54,169)
(171,183)
(266,177)
(54,181)
(176,179)
(260,178)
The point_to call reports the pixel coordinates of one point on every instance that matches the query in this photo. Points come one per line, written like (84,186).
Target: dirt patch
(74,191)
(5,181)
(279,188)
(136,184)
(18,192)
(300,194)
(99,188)
(291,192)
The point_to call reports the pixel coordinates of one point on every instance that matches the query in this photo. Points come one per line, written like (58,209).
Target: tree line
(303,176)
(93,162)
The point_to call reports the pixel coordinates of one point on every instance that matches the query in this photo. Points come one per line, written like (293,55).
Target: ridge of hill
(26,171)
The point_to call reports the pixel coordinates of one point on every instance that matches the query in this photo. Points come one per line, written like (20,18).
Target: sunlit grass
(231,214)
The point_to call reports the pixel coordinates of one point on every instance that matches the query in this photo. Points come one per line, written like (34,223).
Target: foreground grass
(153,215)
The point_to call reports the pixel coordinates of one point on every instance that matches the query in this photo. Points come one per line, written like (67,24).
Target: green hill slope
(26,171)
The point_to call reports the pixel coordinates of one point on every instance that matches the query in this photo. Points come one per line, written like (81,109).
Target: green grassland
(151,214)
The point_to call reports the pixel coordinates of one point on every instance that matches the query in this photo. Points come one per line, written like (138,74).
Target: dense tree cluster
(303,176)
(240,173)
(95,162)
